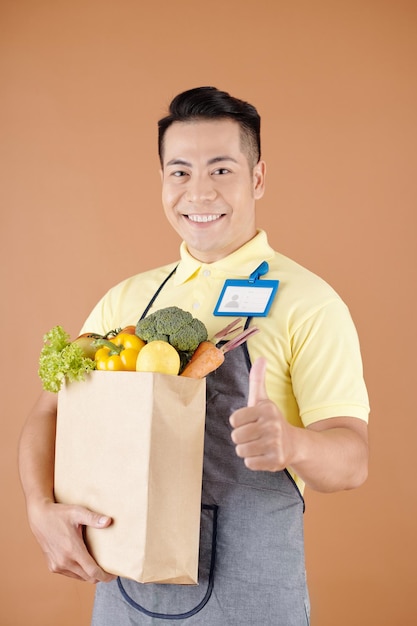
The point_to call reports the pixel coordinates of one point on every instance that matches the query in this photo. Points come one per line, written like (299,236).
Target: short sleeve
(326,367)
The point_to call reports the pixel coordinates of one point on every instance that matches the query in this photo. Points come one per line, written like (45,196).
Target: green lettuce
(60,359)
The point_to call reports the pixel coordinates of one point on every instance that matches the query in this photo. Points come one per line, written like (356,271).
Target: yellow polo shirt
(308,338)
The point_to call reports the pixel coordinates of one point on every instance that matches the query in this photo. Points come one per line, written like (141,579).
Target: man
(300,418)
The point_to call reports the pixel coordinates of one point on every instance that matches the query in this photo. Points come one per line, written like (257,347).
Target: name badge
(251,297)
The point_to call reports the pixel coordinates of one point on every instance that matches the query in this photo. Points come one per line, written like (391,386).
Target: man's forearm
(332,455)
(37,450)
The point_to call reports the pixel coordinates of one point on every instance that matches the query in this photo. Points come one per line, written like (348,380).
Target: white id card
(250,298)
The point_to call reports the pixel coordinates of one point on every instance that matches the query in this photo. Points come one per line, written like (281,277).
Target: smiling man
(209,186)
(288,408)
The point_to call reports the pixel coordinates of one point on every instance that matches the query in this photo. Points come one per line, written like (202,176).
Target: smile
(204,218)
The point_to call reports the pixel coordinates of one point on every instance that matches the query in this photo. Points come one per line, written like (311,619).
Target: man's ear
(259,174)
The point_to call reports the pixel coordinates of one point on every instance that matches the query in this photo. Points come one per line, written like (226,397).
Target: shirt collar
(241,262)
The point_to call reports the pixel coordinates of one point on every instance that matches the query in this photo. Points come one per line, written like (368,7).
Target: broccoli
(146,330)
(186,338)
(171,319)
(179,328)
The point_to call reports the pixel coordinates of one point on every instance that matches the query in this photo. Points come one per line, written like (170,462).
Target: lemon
(158,356)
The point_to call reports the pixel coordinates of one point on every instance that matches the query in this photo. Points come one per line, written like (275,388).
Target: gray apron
(251,567)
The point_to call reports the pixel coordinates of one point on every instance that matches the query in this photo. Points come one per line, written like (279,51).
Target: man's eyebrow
(216,159)
(179,162)
(221,158)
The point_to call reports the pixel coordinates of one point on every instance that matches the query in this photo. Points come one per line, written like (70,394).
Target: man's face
(208,187)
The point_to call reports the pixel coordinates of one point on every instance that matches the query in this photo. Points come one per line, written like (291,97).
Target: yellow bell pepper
(119,354)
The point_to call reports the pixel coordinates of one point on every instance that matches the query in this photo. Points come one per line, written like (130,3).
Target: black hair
(208,103)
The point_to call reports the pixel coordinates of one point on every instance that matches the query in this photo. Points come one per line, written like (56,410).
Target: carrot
(208,359)
(232,327)
(241,338)
(202,347)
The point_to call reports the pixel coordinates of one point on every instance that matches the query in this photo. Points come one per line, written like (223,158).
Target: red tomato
(128,330)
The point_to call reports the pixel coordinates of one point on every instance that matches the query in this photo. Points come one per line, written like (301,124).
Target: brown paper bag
(130,445)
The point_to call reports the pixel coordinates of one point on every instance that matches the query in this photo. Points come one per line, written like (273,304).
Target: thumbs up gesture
(261,434)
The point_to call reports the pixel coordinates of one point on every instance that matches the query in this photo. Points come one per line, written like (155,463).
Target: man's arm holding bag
(58,528)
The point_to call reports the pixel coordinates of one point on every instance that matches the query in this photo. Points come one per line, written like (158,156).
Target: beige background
(83,84)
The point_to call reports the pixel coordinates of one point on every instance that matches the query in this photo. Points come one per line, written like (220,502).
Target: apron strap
(155,295)
(206,598)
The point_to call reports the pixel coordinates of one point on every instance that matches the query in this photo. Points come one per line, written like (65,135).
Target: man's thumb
(103,521)
(96,520)
(257,389)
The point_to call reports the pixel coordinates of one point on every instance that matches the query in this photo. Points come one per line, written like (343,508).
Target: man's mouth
(204,218)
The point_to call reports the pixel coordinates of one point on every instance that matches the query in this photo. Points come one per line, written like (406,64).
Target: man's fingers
(258,429)
(257,389)
(85,567)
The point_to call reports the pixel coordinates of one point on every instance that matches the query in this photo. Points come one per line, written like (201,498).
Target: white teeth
(203,218)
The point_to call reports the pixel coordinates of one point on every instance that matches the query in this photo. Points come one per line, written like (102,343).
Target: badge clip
(261,270)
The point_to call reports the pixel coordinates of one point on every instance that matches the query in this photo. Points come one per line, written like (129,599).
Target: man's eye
(178,173)
(221,170)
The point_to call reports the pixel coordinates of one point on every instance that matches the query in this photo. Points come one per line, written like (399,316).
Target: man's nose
(200,189)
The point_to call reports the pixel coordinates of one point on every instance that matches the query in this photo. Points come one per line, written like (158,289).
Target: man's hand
(59,531)
(329,455)
(262,436)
